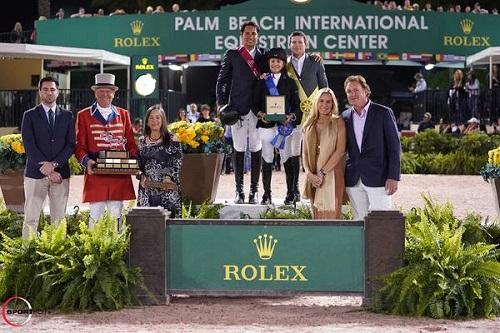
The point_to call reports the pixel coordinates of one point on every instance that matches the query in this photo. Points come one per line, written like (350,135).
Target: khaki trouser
(36,191)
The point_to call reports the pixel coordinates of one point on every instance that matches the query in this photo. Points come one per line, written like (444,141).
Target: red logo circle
(6,312)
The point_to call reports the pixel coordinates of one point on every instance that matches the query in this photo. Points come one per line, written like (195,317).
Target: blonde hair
(313,116)
(458,76)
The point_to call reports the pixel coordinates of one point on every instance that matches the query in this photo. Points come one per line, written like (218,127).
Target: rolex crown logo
(136,27)
(265,246)
(144,61)
(467,25)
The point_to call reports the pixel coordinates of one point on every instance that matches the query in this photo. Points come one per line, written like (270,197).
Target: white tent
(488,56)
(33,51)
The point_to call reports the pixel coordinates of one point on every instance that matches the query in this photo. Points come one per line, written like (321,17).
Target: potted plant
(491,173)
(203,147)
(12,162)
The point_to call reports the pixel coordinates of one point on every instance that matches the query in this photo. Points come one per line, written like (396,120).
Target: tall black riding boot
(254,177)
(267,172)
(289,181)
(239,160)
(228,163)
(296,173)
(277,160)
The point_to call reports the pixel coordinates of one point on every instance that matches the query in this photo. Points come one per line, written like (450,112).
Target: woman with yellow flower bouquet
(160,160)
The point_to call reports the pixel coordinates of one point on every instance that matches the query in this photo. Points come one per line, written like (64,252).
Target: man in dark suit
(373,165)
(240,70)
(48,133)
(309,75)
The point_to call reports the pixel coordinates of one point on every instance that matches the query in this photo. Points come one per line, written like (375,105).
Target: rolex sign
(145,77)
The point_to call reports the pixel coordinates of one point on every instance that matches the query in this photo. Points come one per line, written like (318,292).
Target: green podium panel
(295,258)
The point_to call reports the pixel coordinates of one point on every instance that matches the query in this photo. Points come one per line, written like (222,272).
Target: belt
(160,185)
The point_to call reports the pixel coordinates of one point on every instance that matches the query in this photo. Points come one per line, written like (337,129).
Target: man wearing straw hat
(104,126)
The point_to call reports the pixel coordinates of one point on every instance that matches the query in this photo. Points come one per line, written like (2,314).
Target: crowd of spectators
(194,116)
(462,114)
(415,6)
(388,5)
(119,11)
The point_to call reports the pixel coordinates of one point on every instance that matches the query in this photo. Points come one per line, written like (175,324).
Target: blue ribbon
(281,133)
(273,91)
(283,130)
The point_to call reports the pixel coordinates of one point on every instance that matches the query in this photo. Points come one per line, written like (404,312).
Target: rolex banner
(312,258)
(353,29)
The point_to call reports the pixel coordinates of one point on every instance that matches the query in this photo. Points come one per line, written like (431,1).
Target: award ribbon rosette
(282,132)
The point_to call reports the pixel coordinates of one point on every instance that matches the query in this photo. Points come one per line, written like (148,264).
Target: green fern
(204,211)
(287,213)
(75,167)
(443,278)
(83,271)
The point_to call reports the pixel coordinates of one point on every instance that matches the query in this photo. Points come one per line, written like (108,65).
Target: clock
(145,85)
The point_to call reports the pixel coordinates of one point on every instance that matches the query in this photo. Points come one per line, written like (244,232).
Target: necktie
(51,119)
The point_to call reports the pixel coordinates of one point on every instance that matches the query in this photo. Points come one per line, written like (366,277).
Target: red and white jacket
(93,134)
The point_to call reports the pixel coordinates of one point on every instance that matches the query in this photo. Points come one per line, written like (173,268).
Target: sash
(305,101)
(249,60)
(273,91)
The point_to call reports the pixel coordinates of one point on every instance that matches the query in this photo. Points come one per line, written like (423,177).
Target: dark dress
(458,104)
(157,161)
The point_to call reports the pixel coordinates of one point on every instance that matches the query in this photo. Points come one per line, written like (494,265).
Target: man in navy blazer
(238,76)
(48,134)
(373,165)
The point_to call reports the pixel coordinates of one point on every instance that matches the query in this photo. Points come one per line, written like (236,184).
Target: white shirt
(298,63)
(472,86)
(47,108)
(420,86)
(105,112)
(193,117)
(252,52)
(276,78)
(358,122)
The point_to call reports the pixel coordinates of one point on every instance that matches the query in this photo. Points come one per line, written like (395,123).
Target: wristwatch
(55,164)
(321,171)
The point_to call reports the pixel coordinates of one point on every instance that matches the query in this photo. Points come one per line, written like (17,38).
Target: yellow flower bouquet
(205,137)
(12,154)
(492,169)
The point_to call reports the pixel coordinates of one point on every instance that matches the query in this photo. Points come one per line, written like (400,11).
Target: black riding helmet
(277,53)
